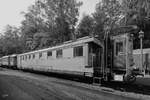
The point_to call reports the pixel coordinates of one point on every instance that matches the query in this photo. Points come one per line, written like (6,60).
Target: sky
(10,10)
(88,7)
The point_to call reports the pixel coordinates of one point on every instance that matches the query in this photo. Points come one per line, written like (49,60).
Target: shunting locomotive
(118,60)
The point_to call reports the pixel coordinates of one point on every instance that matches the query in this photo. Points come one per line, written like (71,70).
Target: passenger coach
(5,61)
(77,57)
(9,61)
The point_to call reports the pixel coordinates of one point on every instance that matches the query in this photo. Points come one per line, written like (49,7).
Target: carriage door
(119,54)
(95,58)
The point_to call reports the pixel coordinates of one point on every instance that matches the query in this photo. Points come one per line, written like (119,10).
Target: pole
(141,52)
(141,40)
(141,35)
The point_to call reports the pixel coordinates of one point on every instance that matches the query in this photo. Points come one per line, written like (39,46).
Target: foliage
(86,26)
(137,12)
(10,41)
(106,17)
(55,18)
(49,22)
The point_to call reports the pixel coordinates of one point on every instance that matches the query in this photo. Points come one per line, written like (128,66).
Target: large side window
(78,51)
(119,48)
(49,53)
(59,53)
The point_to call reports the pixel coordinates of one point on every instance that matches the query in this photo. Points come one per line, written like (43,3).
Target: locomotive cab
(118,54)
(123,57)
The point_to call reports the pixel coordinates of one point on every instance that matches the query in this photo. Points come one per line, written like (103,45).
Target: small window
(40,55)
(59,53)
(78,51)
(33,56)
(25,57)
(49,53)
(119,48)
(22,57)
(29,56)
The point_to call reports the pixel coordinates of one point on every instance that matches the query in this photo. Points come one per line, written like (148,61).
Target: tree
(86,26)
(66,14)
(55,17)
(10,42)
(107,16)
(136,12)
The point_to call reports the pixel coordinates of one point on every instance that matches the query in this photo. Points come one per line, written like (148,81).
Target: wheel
(130,78)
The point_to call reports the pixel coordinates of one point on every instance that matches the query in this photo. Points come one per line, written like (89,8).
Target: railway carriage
(9,61)
(78,57)
(5,61)
(146,59)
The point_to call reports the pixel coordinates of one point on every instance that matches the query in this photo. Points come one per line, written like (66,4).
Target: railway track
(116,86)
(120,86)
(41,87)
(124,87)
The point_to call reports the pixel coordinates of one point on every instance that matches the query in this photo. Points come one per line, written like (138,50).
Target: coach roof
(70,43)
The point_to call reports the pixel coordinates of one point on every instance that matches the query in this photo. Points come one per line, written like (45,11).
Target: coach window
(78,51)
(59,53)
(26,57)
(119,48)
(49,53)
(40,54)
(23,57)
(33,56)
(29,56)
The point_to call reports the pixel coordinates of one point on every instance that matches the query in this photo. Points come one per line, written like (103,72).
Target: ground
(18,85)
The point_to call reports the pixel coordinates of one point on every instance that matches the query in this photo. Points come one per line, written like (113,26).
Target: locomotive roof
(70,43)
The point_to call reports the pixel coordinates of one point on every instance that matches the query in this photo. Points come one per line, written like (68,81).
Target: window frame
(49,54)
(119,48)
(26,57)
(33,56)
(29,56)
(40,55)
(77,52)
(59,53)
(23,57)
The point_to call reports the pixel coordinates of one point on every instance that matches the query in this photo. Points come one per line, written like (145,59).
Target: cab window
(78,51)
(119,48)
